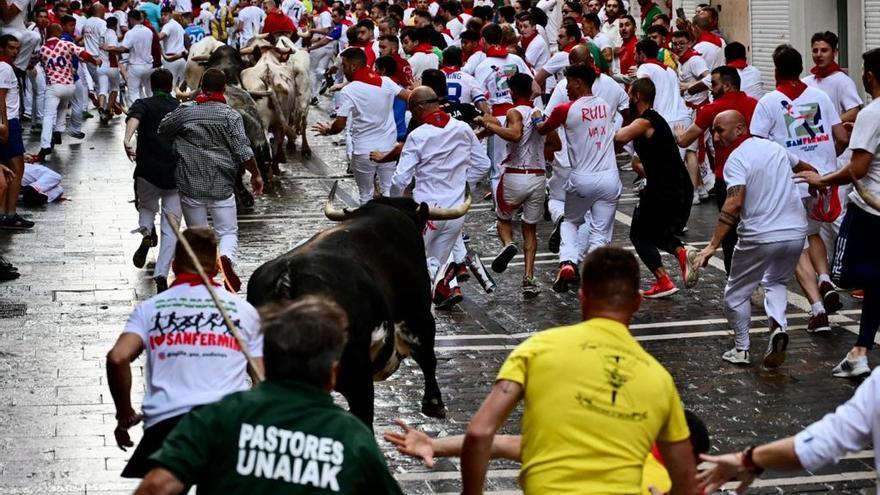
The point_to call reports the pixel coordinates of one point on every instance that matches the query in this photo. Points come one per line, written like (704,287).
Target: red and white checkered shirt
(57,58)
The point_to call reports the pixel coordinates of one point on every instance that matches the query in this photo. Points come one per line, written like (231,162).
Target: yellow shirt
(655,474)
(594,403)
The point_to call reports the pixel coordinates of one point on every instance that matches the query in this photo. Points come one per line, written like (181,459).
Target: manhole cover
(12,310)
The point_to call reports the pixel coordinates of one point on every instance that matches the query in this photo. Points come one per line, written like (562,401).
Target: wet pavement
(78,286)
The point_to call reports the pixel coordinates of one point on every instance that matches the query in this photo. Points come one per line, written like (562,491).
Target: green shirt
(279,438)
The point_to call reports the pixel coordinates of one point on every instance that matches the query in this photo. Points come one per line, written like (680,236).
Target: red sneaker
(690,272)
(461,273)
(858,294)
(230,279)
(566,276)
(662,288)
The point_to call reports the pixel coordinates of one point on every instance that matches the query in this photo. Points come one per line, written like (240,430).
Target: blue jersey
(195,33)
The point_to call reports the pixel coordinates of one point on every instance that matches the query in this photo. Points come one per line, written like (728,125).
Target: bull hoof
(434,408)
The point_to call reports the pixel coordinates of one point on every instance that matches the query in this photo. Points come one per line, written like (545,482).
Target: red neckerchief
(206,96)
(654,61)
(51,42)
(647,8)
(460,19)
(527,103)
(791,88)
(738,63)
(191,279)
(688,54)
(711,38)
(450,69)
(437,118)
(468,10)
(423,48)
(823,72)
(524,41)
(736,142)
(447,32)
(496,51)
(366,75)
(4,58)
(569,47)
(346,23)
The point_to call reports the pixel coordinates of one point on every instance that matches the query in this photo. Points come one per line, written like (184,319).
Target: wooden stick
(255,372)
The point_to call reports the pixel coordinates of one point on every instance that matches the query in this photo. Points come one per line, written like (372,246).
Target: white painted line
(453,475)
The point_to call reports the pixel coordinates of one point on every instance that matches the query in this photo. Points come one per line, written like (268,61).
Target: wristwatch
(749,462)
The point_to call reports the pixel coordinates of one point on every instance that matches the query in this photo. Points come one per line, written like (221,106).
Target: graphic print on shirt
(803,123)
(203,329)
(613,399)
(502,74)
(293,456)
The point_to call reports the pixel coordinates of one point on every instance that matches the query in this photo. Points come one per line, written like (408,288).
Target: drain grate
(12,310)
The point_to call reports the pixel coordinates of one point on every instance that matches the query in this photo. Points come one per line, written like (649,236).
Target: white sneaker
(852,368)
(703,192)
(775,355)
(736,356)
(696,200)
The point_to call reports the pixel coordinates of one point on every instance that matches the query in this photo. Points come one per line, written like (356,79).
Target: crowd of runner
(536,107)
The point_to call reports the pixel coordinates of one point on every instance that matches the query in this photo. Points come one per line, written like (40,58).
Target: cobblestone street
(78,285)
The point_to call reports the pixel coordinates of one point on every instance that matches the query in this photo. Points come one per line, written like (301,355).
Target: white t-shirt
(802,126)
(461,87)
(588,125)
(173,42)
(17,23)
(772,209)
(93,33)
(553,9)
(554,66)
(9,82)
(122,20)
(204,19)
(751,82)
(691,72)
(612,31)
(712,53)
(492,75)
(293,9)
(601,40)
(183,5)
(139,41)
(251,20)
(109,39)
(192,359)
(369,111)
(455,27)
(537,52)
(667,100)
(866,136)
(420,62)
(473,62)
(840,88)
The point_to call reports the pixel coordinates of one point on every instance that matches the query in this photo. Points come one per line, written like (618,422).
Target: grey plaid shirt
(210,145)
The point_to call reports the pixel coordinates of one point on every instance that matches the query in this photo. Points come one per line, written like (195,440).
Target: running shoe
(662,288)
(15,222)
(858,294)
(690,272)
(830,297)
(696,199)
(76,134)
(775,355)
(449,301)
(56,137)
(736,356)
(555,236)
(852,368)
(499,264)
(703,192)
(140,255)
(566,276)
(154,239)
(530,288)
(461,273)
(818,323)
(230,278)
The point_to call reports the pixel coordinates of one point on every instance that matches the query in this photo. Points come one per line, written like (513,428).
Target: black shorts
(140,464)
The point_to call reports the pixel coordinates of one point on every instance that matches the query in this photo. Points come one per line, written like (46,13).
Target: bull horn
(260,94)
(247,50)
(201,58)
(866,195)
(333,213)
(183,95)
(459,211)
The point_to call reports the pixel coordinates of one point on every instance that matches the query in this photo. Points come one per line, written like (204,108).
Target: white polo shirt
(93,33)
(866,136)
(667,100)
(802,126)
(840,88)
(173,42)
(492,75)
(139,41)
(772,208)
(192,359)
(442,161)
(588,125)
(369,111)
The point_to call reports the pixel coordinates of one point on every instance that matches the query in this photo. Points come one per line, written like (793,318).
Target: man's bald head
(728,126)
(580,54)
(422,100)
(98,10)
(53,31)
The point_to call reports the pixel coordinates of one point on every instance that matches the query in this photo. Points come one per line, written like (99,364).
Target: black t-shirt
(155,155)
(664,168)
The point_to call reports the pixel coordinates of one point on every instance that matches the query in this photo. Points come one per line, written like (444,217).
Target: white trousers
(497,151)
(176,69)
(769,265)
(582,239)
(440,239)
(108,80)
(223,212)
(139,81)
(35,93)
(148,203)
(78,101)
(43,179)
(365,171)
(593,194)
(320,59)
(55,111)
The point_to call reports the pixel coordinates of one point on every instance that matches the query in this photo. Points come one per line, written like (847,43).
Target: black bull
(373,265)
